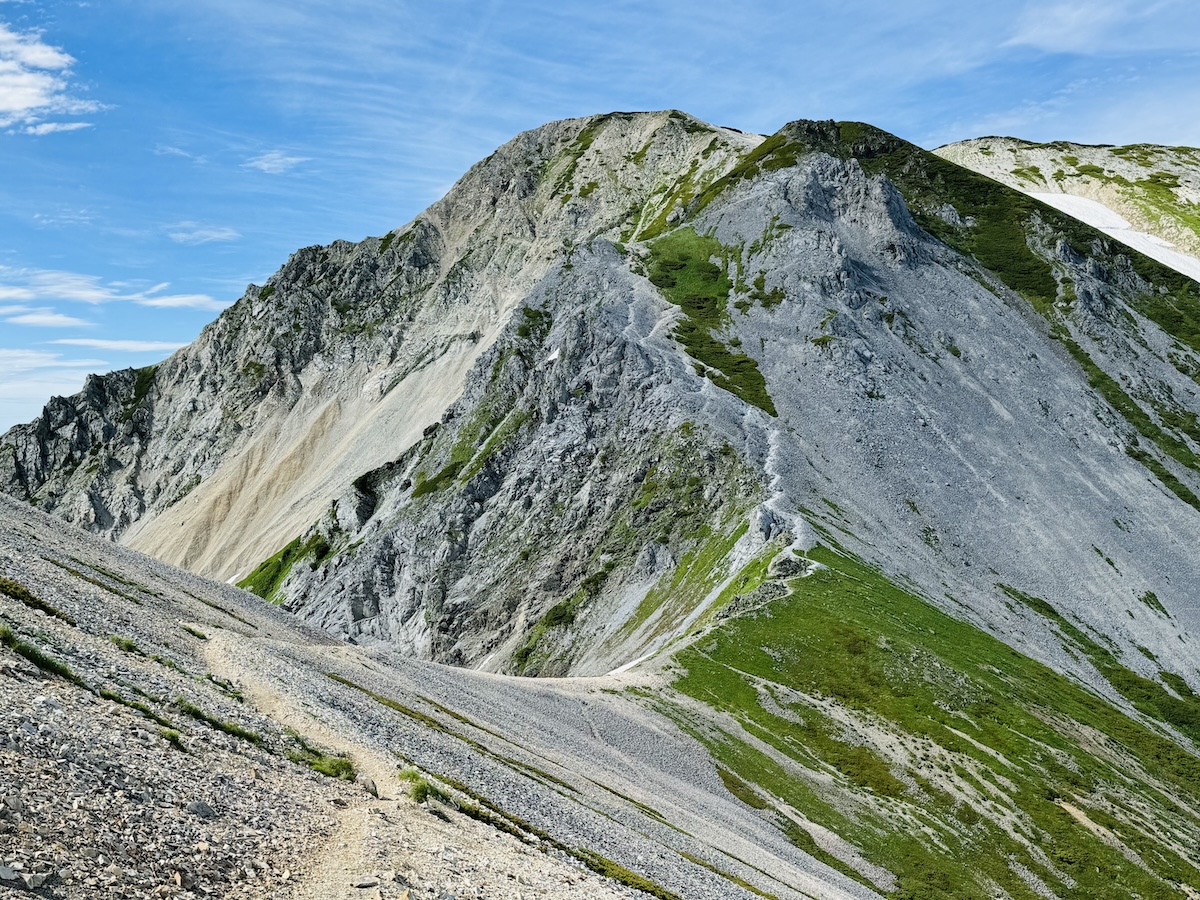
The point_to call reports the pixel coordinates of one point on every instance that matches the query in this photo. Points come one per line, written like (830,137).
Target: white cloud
(274,162)
(54,127)
(45,318)
(1108,26)
(191,233)
(122,346)
(182,301)
(19,362)
(48,285)
(35,84)
(65,217)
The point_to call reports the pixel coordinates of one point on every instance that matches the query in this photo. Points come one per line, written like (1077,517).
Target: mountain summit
(891,469)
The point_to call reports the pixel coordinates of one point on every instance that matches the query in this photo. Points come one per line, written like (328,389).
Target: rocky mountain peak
(881,473)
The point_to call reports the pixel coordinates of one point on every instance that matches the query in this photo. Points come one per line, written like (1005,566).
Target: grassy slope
(958,764)
(681,267)
(938,751)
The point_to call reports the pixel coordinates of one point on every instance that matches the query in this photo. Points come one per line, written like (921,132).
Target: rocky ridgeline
(343,357)
(548,426)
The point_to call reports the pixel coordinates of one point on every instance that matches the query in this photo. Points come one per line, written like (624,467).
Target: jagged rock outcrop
(345,355)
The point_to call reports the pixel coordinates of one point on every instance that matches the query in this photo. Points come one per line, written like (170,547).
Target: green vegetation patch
(136,706)
(574,152)
(267,577)
(1148,697)
(1150,599)
(494,422)
(444,478)
(1112,392)
(142,382)
(331,765)
(421,788)
(230,728)
(83,576)
(779,151)
(37,656)
(741,790)
(951,752)
(19,592)
(1031,174)
(609,869)
(681,268)
(124,643)
(562,614)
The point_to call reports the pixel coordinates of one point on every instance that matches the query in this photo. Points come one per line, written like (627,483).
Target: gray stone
(34,880)
(201,809)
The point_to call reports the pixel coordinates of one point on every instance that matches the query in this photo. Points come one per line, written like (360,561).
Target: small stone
(368,784)
(201,809)
(365,882)
(7,874)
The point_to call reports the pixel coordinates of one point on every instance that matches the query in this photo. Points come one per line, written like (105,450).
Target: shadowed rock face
(553,423)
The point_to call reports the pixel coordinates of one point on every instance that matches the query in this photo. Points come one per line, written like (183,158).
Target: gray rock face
(551,425)
(228,449)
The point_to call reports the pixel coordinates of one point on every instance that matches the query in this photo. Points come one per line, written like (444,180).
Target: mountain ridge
(884,472)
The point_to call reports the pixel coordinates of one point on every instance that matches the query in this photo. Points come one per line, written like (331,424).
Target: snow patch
(1117,227)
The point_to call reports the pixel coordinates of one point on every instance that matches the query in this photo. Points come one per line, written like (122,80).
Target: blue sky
(158,157)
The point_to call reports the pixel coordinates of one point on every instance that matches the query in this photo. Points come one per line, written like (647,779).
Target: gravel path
(147,716)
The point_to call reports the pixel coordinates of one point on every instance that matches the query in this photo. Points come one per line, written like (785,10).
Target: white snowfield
(1117,227)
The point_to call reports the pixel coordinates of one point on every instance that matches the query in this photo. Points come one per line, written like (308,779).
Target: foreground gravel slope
(180,784)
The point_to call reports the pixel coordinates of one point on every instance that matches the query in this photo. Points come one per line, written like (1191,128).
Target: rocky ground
(149,716)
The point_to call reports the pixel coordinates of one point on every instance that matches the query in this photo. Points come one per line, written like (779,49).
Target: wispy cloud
(183,301)
(55,127)
(65,217)
(1108,26)
(35,84)
(42,317)
(122,346)
(192,233)
(49,285)
(274,162)
(171,150)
